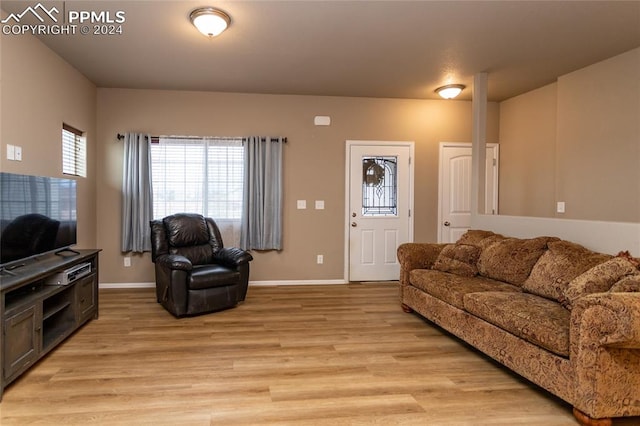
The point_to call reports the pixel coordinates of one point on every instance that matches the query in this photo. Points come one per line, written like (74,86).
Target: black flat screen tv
(37,216)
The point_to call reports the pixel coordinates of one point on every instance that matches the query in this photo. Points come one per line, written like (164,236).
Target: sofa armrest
(174,262)
(607,319)
(416,256)
(604,355)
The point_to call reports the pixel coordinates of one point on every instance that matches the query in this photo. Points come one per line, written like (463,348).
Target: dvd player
(70,275)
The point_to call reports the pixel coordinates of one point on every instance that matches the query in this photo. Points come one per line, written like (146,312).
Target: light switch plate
(11,152)
(302,204)
(319,204)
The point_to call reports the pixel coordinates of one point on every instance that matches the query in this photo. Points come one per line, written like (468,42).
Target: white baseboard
(251,283)
(296,282)
(126,285)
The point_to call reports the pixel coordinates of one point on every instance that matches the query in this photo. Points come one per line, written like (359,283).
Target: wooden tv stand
(37,314)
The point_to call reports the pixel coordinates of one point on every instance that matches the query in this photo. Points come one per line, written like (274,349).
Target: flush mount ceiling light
(210,21)
(450,91)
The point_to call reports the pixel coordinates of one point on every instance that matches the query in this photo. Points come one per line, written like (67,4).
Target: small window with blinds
(74,151)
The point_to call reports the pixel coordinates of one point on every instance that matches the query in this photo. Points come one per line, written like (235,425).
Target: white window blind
(200,175)
(74,151)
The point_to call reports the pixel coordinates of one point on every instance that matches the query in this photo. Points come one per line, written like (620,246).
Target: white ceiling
(395,49)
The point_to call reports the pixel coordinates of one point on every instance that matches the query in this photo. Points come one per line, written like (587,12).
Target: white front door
(455,188)
(379,203)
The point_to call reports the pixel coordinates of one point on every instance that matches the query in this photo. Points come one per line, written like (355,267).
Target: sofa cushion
(491,240)
(598,279)
(459,259)
(451,288)
(634,260)
(511,259)
(474,236)
(539,321)
(629,284)
(558,266)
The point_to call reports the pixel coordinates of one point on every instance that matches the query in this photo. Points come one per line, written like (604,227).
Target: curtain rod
(155,139)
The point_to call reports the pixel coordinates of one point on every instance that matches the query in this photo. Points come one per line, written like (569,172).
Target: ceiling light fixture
(450,91)
(210,21)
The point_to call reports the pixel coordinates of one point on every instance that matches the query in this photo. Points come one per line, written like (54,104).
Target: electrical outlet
(560,207)
(127,262)
(320,259)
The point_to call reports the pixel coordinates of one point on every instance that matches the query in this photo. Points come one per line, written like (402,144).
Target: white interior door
(455,189)
(379,203)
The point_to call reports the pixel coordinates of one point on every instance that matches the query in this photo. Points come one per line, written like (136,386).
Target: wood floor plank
(290,355)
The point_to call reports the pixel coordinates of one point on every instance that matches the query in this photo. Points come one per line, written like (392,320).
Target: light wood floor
(312,355)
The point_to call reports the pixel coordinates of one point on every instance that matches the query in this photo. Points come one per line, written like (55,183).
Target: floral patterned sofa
(558,314)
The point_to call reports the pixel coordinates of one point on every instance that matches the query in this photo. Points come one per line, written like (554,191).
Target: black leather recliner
(195,273)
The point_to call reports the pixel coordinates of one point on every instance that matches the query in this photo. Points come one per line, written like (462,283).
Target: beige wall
(313,163)
(598,140)
(40,91)
(577,141)
(527,154)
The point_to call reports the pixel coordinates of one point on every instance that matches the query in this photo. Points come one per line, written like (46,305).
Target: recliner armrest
(174,261)
(232,256)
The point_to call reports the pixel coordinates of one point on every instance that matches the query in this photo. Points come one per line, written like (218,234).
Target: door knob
(447,223)
(353,224)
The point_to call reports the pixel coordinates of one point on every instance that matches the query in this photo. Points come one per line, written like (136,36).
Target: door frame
(494,201)
(347,195)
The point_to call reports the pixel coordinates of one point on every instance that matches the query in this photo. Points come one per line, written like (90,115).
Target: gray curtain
(262,201)
(137,198)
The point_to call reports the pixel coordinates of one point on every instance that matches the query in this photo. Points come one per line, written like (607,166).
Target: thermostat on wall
(322,120)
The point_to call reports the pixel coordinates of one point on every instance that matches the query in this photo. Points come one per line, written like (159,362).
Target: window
(379,186)
(200,175)
(74,151)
